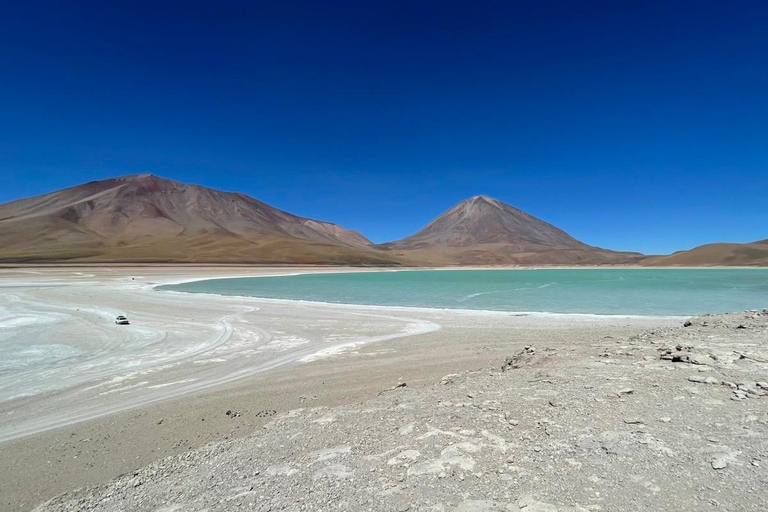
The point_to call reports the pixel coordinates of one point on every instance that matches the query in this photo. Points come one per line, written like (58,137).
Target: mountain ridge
(754,254)
(142,217)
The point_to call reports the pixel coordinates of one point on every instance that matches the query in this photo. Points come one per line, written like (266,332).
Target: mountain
(483,230)
(143,218)
(715,255)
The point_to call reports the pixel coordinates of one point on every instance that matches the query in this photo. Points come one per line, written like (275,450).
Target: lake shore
(104,411)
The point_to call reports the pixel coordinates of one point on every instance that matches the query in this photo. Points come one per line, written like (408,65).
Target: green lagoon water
(595,291)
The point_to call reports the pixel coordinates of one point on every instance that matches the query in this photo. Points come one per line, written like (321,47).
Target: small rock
(519,360)
(449,379)
(703,380)
(719,462)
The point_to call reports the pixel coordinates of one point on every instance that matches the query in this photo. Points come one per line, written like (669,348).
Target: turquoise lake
(596,291)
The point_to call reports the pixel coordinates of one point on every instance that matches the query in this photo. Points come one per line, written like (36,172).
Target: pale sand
(130,395)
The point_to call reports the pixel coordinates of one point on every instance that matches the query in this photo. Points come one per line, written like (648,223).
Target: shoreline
(66,265)
(422,309)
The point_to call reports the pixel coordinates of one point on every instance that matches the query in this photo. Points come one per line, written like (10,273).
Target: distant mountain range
(146,219)
(716,255)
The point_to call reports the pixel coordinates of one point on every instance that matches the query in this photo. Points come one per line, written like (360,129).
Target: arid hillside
(143,218)
(484,231)
(715,255)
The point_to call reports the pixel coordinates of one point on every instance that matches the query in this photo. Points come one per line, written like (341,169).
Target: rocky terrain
(671,419)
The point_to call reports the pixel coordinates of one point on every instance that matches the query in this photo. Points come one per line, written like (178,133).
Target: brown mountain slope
(715,255)
(146,218)
(483,230)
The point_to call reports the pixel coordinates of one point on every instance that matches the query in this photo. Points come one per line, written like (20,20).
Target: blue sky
(631,125)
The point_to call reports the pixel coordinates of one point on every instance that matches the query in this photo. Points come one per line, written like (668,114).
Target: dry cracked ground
(674,419)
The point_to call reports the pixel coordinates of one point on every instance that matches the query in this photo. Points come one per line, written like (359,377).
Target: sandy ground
(83,400)
(671,419)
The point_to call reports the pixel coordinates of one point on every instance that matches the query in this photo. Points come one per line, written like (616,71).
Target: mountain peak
(482,220)
(484,230)
(139,177)
(481,199)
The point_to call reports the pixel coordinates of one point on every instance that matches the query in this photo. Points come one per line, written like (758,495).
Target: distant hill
(143,218)
(715,255)
(482,230)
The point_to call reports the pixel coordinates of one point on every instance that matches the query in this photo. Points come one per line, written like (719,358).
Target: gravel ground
(671,419)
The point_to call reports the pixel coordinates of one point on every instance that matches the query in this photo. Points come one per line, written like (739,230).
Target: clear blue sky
(632,125)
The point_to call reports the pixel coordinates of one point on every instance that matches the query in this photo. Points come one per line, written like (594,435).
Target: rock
(449,379)
(633,421)
(684,354)
(625,391)
(529,504)
(719,462)
(703,380)
(739,395)
(519,360)
(687,323)
(399,385)
(475,506)
(751,390)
